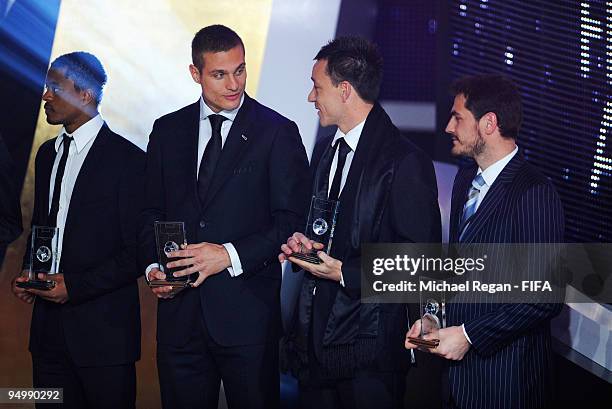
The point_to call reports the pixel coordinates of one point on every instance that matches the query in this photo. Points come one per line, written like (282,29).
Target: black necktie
(211,156)
(57,185)
(343,150)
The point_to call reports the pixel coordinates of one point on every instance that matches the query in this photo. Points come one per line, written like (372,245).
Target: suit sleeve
(412,209)
(154,204)
(289,186)
(123,268)
(538,219)
(38,201)
(10,209)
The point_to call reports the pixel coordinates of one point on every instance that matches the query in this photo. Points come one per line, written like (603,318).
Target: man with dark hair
(499,354)
(10,209)
(85,70)
(236,173)
(503,100)
(346,354)
(215,38)
(85,332)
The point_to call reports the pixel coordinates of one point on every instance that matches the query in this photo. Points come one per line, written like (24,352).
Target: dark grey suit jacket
(101,321)
(509,362)
(256,200)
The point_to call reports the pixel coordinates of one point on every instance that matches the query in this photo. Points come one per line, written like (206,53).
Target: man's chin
(457,152)
(53,121)
(230,106)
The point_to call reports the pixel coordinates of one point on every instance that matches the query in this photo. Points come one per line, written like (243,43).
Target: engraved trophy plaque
(44,257)
(432,307)
(319,228)
(169,236)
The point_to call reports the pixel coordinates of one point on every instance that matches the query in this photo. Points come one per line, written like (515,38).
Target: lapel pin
(244,137)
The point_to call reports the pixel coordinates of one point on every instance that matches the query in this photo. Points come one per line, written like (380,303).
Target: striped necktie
(470,205)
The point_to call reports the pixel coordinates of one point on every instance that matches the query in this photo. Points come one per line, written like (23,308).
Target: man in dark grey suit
(499,354)
(235,172)
(85,331)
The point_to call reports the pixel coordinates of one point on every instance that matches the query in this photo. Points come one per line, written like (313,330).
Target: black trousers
(84,387)
(190,375)
(367,389)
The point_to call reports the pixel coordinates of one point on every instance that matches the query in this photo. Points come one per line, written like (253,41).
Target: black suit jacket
(10,209)
(390,196)
(101,321)
(509,362)
(256,201)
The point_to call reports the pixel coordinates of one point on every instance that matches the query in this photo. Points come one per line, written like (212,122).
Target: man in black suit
(236,173)
(10,209)
(499,354)
(85,332)
(347,354)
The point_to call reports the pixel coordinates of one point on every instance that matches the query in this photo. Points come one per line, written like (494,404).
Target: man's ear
(489,121)
(87,96)
(345,90)
(195,73)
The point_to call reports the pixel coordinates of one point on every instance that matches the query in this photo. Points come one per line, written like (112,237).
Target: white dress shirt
(352,140)
(84,137)
(489,175)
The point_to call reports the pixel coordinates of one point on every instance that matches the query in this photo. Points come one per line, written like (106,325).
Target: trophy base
(311,258)
(36,284)
(166,283)
(426,343)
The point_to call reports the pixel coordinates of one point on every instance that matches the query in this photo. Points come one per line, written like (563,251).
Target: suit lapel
(188,145)
(460,193)
(45,177)
(182,152)
(354,198)
(493,199)
(321,177)
(98,153)
(238,139)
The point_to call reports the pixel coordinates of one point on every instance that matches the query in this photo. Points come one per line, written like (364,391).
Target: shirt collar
(351,137)
(492,172)
(83,135)
(205,110)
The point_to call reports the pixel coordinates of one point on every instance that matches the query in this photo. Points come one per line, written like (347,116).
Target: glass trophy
(44,257)
(319,228)
(432,307)
(169,237)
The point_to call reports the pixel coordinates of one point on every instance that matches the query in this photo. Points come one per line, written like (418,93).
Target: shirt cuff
(236,268)
(342,280)
(465,333)
(151,267)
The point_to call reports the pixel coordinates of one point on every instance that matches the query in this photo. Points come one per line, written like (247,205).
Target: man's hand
(204,258)
(58,294)
(162,292)
(329,269)
(413,332)
(453,343)
(298,243)
(21,293)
